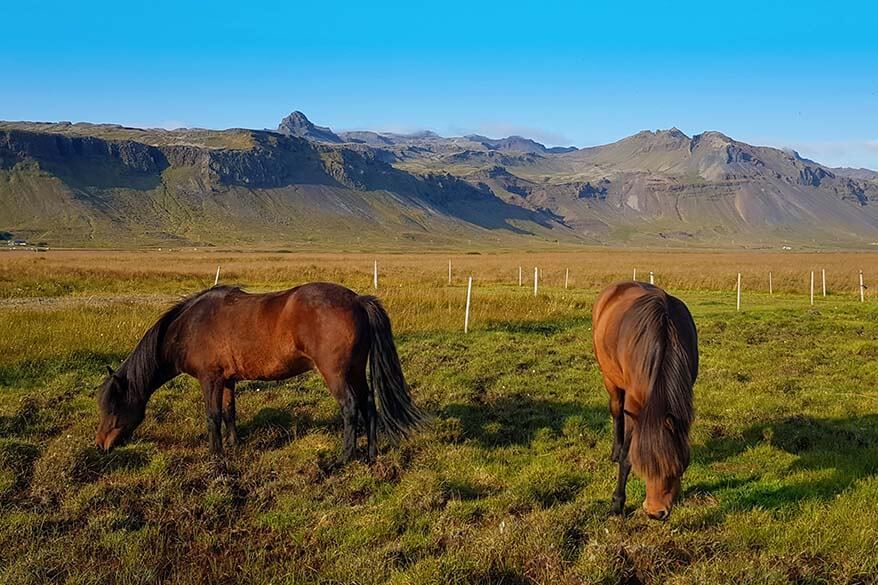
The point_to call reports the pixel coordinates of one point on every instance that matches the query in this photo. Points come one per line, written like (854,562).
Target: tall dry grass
(58,273)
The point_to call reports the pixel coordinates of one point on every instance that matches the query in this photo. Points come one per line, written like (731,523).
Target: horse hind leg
(365,398)
(229,414)
(343,393)
(349,414)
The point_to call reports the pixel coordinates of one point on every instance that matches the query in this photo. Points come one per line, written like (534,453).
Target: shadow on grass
(842,450)
(89,464)
(274,427)
(34,417)
(21,420)
(517,419)
(271,428)
(548,327)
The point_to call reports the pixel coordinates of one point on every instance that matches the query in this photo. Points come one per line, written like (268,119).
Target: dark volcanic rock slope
(296,124)
(96,185)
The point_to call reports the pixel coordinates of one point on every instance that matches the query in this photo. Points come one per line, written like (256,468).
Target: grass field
(512,481)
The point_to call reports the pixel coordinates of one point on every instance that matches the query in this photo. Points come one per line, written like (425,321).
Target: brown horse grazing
(647,348)
(222,335)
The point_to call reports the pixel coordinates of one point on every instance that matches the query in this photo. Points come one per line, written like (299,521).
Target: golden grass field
(175,271)
(512,481)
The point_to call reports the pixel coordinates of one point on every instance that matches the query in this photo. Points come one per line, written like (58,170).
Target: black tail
(670,358)
(396,410)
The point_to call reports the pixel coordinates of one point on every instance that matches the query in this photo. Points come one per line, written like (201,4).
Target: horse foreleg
(231,429)
(618,506)
(212,390)
(618,426)
(617,409)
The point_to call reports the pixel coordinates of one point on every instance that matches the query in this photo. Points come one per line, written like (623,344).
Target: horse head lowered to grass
(647,348)
(223,335)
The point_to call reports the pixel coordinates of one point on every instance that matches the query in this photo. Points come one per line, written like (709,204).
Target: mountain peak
(672,139)
(675,132)
(715,137)
(513,143)
(297,124)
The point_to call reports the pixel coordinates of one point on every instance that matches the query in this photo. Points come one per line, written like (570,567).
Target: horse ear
(110,371)
(669,423)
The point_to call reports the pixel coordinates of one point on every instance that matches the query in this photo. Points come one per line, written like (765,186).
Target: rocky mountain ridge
(81,183)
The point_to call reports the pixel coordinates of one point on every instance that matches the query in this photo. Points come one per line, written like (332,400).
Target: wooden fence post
(536,279)
(469,294)
(812,287)
(823,273)
(651,279)
(375,276)
(862,287)
(566,277)
(216,280)
(770,288)
(739,292)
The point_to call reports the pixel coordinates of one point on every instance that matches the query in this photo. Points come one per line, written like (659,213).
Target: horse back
(267,336)
(629,322)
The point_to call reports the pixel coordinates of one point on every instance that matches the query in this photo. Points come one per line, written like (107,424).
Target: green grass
(510,484)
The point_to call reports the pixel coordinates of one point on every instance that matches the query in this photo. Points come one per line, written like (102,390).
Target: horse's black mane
(144,369)
(668,359)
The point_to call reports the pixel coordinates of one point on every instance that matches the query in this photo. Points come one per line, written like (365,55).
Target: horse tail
(397,412)
(668,352)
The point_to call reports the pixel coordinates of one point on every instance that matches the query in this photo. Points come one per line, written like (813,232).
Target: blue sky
(789,74)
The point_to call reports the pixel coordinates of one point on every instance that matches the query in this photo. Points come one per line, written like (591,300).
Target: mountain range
(302,184)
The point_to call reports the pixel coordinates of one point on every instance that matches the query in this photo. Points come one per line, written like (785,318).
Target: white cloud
(173,124)
(840,153)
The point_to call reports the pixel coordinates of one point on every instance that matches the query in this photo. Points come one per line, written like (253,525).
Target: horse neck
(145,374)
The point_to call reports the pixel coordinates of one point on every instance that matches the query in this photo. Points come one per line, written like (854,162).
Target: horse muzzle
(106,441)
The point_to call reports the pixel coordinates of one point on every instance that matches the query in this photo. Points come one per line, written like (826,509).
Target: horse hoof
(617,509)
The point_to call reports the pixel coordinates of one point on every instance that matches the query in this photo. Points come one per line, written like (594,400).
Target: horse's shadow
(274,427)
(546,328)
(842,450)
(517,419)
